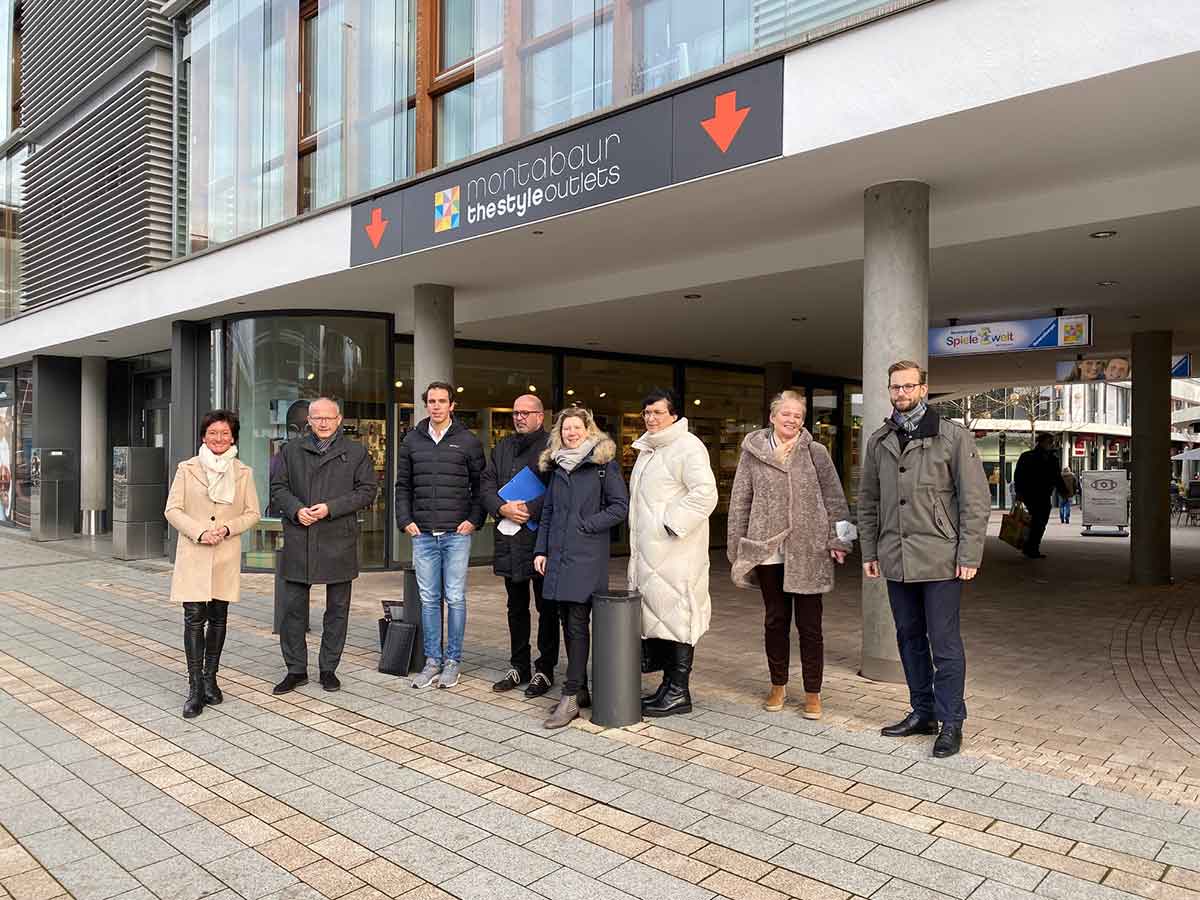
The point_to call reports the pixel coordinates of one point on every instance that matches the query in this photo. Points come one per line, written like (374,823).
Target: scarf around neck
(911,420)
(782,449)
(219,472)
(323,445)
(568,459)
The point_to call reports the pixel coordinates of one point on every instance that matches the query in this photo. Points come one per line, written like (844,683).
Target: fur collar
(603,453)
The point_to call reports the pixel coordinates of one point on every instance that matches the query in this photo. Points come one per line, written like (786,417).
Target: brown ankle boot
(812,706)
(774,701)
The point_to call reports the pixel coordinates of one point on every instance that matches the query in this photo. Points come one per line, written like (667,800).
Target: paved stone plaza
(1080,777)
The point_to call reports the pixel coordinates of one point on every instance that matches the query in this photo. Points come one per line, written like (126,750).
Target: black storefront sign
(723,124)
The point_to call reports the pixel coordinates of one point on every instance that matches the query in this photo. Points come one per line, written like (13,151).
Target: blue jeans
(441,563)
(926,615)
(1064,512)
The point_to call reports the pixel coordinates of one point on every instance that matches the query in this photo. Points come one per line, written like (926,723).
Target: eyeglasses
(321,420)
(903,388)
(654,414)
(526,413)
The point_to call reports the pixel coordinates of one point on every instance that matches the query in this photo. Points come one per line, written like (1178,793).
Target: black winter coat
(437,484)
(578,511)
(1037,477)
(343,478)
(514,554)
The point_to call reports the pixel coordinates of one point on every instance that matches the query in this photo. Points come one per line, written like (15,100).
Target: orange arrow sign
(377,226)
(726,121)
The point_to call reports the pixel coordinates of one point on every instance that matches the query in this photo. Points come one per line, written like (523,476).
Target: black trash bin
(616,658)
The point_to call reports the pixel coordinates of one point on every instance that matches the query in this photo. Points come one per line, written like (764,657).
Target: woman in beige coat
(212,501)
(788,525)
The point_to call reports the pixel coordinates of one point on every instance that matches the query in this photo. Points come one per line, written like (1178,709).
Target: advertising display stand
(139,498)
(54,492)
(1105,503)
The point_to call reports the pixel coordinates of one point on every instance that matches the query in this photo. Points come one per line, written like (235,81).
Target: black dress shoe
(290,682)
(539,684)
(330,682)
(512,679)
(913,723)
(949,742)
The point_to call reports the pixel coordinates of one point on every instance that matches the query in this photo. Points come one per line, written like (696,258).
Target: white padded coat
(672,486)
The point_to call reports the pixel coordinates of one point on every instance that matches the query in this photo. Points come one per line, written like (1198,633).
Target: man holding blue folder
(511,490)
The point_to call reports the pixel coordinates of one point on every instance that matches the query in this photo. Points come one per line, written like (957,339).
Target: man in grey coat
(923,508)
(323,481)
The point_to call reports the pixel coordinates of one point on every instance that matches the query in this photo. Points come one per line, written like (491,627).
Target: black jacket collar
(424,425)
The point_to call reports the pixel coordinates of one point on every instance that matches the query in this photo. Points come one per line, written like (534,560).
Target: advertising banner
(1114,368)
(6,462)
(1105,498)
(1005,337)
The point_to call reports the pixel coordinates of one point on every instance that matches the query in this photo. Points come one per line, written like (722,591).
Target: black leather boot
(656,695)
(194,617)
(949,742)
(214,642)
(676,699)
(652,655)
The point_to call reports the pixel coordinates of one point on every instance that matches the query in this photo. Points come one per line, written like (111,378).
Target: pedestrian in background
(672,492)
(514,550)
(923,507)
(1066,497)
(585,500)
(1035,480)
(324,480)
(438,472)
(785,513)
(212,501)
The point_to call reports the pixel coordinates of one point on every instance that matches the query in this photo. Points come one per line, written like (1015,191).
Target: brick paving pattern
(1077,780)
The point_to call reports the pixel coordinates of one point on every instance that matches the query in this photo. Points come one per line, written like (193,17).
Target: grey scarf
(911,420)
(324,445)
(568,459)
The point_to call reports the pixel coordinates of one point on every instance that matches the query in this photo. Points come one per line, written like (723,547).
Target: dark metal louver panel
(98,199)
(69,45)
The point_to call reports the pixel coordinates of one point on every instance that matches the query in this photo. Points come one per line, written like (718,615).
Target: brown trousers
(777,628)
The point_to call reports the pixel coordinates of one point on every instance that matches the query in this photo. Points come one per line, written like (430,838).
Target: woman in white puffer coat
(672,492)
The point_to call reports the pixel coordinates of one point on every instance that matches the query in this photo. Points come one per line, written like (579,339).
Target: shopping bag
(399,638)
(1014,527)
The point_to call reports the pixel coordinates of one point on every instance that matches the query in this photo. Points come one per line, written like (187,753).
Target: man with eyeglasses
(514,550)
(923,507)
(321,483)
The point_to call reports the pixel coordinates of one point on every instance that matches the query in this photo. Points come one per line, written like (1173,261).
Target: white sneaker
(449,676)
(428,676)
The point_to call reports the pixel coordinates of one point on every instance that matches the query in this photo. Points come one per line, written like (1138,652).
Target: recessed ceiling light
(603,394)
(696,402)
(399,384)
(1101,235)
(570,392)
(692,296)
(799,318)
(537,232)
(533,388)
(101,340)
(312,375)
(461,389)
(1107,283)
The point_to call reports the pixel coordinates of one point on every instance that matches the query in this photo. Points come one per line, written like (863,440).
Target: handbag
(1014,527)
(398,641)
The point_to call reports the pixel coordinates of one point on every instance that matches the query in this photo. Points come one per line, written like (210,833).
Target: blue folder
(523,487)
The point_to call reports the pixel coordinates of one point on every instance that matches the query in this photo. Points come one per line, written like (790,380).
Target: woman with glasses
(585,499)
(672,493)
(788,524)
(212,501)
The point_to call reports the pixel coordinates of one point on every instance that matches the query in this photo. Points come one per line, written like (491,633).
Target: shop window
(7,446)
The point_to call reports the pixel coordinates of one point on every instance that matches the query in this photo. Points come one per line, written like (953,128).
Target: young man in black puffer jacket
(438,470)
(514,552)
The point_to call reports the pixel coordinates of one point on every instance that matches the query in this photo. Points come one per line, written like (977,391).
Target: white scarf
(568,459)
(219,471)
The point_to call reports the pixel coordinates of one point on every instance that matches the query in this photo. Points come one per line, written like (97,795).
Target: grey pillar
(1150,528)
(777,376)
(895,326)
(93,445)
(433,339)
(191,365)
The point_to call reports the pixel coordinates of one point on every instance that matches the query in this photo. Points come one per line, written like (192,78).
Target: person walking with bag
(788,525)
(923,507)
(672,492)
(514,550)
(212,501)
(325,479)
(586,498)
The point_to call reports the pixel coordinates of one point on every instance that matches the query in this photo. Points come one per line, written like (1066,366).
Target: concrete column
(895,326)
(433,339)
(1150,528)
(777,376)
(93,445)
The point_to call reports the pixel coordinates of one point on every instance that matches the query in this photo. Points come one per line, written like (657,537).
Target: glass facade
(291,105)
(12,198)
(275,365)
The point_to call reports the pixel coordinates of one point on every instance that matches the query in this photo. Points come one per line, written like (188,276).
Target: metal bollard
(412,614)
(616,658)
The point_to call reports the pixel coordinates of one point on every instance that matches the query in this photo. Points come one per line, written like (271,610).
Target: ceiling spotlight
(799,318)
(101,340)
(692,296)
(533,388)
(460,389)
(1102,235)
(696,402)
(570,392)
(539,233)
(1107,283)
(603,394)
(312,375)
(399,384)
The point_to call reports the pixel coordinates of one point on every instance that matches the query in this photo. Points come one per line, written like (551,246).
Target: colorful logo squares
(445,210)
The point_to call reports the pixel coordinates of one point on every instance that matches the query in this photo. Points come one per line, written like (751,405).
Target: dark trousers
(1064,511)
(295,619)
(1039,515)
(519,626)
(926,614)
(576,626)
(777,627)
